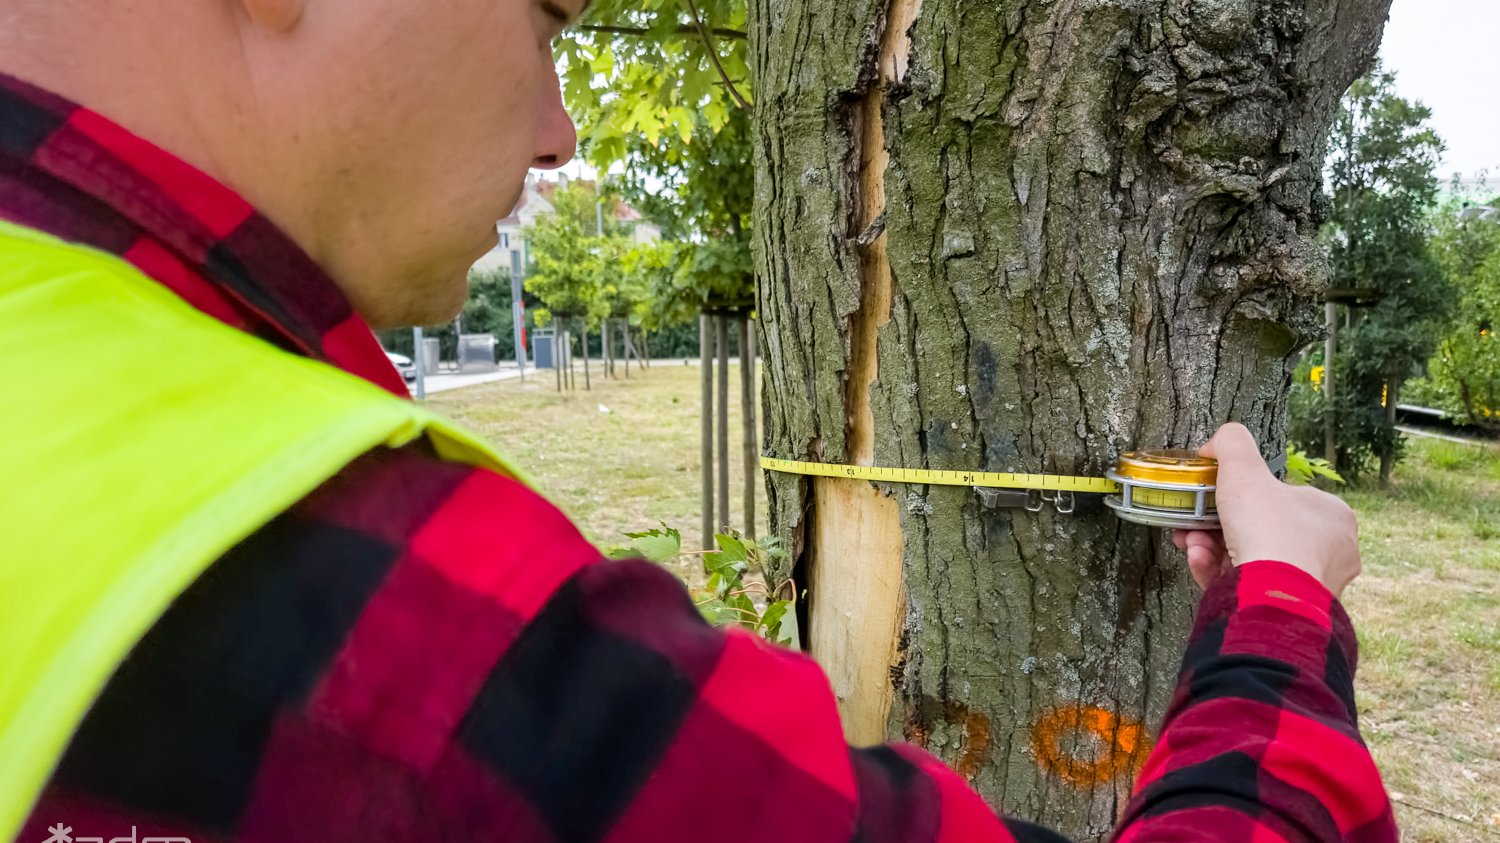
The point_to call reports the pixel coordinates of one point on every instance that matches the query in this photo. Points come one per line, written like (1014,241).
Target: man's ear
(275,15)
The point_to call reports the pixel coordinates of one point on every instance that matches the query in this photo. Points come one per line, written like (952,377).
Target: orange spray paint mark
(976,734)
(1121,744)
(976,744)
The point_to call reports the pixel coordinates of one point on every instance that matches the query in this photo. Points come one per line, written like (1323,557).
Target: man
(248,595)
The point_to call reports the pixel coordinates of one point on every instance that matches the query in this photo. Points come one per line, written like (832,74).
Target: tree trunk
(624,351)
(1330,412)
(557,356)
(1388,455)
(609,361)
(585,330)
(630,349)
(1026,235)
(706,378)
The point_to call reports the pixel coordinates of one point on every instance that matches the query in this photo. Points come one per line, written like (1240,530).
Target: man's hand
(1263,518)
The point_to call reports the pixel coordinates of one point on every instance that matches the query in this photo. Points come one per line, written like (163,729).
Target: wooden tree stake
(747,418)
(706,377)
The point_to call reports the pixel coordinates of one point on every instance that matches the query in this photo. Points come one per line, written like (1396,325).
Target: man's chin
(420,304)
(440,309)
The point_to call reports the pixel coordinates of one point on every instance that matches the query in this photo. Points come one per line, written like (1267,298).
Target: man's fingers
(1205,553)
(1212,540)
(1204,565)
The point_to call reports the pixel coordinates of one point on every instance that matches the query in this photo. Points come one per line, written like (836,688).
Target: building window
(505,241)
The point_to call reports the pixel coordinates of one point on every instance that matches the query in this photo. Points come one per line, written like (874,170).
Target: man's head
(385,136)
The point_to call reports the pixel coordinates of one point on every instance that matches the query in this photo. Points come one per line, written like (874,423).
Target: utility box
(431,354)
(541,348)
(476,353)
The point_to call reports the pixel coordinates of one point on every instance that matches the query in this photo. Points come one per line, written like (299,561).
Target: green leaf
(770,619)
(1301,468)
(657,545)
(732,547)
(718,566)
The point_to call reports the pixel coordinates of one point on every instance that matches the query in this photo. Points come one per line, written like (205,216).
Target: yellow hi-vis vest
(142,439)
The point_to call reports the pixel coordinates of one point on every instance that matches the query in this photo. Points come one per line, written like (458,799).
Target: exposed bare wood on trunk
(856,612)
(857,527)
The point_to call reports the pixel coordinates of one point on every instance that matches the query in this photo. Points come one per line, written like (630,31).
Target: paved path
(446,381)
(1459,440)
(508,371)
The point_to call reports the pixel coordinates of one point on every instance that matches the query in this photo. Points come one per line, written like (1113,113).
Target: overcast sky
(1443,53)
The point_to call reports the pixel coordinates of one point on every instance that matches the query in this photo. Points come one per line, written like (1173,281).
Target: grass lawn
(622,470)
(1428,613)
(1427,607)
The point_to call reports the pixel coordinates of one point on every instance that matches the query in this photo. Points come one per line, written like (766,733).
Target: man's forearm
(1261,737)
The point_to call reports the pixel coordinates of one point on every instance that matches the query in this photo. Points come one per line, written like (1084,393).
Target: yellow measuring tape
(938,477)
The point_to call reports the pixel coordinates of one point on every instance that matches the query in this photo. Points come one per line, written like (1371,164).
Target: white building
(510,254)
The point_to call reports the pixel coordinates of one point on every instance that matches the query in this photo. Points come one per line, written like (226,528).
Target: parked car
(403,365)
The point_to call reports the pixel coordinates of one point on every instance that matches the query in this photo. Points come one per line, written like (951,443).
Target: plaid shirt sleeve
(422,651)
(1261,742)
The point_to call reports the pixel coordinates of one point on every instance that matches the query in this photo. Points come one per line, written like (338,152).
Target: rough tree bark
(1026,235)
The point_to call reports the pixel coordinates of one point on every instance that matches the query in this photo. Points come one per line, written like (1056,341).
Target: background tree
(1381,158)
(700,193)
(575,258)
(653,69)
(661,86)
(1026,236)
(1464,374)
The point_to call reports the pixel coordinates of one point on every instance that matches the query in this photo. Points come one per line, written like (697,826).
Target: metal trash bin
(432,353)
(541,348)
(476,353)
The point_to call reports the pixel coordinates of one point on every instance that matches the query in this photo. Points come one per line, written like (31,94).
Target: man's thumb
(1236,452)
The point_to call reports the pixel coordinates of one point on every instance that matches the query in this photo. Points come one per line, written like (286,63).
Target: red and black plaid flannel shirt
(424,651)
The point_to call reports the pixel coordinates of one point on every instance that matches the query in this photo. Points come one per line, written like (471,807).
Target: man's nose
(557,138)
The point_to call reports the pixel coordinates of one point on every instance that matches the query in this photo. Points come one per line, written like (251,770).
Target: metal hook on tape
(1031,500)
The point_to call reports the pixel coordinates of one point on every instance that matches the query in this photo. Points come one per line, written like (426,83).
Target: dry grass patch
(619,457)
(1428,614)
